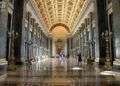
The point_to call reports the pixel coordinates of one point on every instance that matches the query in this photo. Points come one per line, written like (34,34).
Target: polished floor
(64,72)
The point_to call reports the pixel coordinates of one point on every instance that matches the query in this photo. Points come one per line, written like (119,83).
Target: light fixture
(77,68)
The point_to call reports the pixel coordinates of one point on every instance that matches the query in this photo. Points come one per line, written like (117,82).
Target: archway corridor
(59,43)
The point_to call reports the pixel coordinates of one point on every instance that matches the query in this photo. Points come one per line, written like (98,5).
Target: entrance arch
(59,24)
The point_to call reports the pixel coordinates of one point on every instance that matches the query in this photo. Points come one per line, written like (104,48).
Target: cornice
(41,22)
(81,16)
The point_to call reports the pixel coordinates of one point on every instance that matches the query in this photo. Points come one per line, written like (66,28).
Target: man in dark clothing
(79,58)
(68,56)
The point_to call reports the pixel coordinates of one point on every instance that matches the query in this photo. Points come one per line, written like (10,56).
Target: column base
(11,67)
(19,63)
(108,63)
(101,61)
(90,61)
(13,64)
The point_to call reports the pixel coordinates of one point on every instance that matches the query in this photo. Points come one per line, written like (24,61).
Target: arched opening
(59,24)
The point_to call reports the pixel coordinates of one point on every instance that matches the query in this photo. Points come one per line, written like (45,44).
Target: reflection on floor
(53,72)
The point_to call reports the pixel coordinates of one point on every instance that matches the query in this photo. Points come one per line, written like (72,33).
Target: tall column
(3,28)
(17,28)
(51,43)
(92,35)
(116,26)
(39,28)
(28,36)
(80,40)
(34,37)
(102,28)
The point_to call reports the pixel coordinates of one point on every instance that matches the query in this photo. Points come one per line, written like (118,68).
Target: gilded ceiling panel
(60,11)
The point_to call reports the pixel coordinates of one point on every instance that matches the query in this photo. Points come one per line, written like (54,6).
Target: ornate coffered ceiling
(63,12)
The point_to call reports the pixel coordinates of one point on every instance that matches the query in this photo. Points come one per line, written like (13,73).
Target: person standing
(68,56)
(79,58)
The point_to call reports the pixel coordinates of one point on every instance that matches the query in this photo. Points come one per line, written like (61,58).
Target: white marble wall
(116,26)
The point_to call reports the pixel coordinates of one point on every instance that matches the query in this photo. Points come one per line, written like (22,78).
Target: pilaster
(3,28)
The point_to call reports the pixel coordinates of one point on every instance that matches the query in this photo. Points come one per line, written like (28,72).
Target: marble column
(82,40)
(17,28)
(116,26)
(51,43)
(102,27)
(33,37)
(3,28)
(28,34)
(39,28)
(92,33)
(68,46)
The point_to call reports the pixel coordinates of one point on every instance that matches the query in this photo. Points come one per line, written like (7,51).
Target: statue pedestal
(108,63)
(11,67)
(101,61)
(11,64)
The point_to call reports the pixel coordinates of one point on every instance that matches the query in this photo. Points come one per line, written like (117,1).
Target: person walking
(79,58)
(68,56)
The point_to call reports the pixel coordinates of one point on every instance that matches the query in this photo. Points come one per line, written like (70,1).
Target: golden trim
(59,24)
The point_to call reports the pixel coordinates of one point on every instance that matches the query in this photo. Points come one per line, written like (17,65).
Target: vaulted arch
(60,24)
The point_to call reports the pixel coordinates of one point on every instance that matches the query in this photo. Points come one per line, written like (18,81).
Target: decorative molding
(88,7)
(60,11)
(36,11)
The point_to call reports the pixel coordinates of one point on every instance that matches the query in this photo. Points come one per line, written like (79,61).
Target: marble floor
(55,72)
